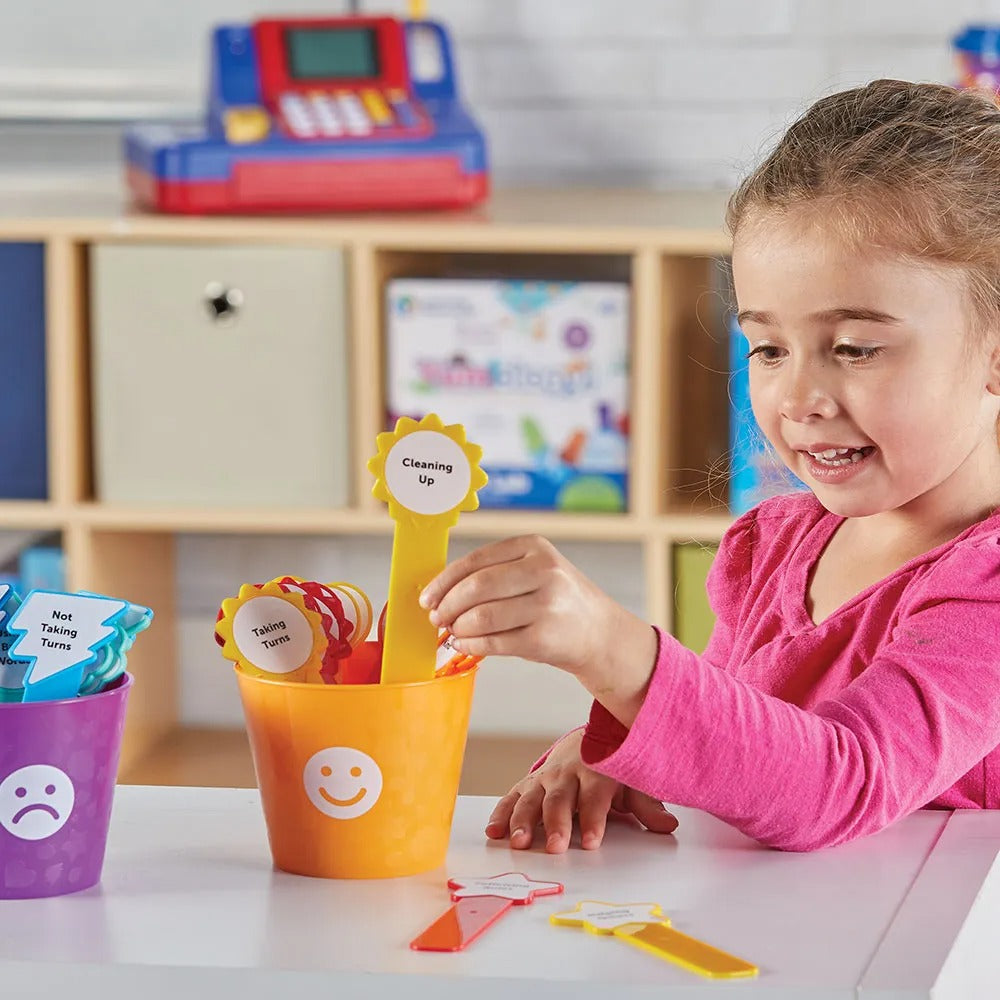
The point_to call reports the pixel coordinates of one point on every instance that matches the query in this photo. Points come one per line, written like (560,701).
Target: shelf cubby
(669,247)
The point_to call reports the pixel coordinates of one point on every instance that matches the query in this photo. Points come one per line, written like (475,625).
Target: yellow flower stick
(269,632)
(644,926)
(427,473)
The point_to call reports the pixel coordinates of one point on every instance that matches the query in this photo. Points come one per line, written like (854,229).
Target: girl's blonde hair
(910,167)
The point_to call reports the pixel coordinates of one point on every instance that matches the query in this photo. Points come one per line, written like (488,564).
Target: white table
(190,907)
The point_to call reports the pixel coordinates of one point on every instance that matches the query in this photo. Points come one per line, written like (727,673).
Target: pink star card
(478,904)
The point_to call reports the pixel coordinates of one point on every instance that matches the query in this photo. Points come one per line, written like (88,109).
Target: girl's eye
(855,352)
(766,354)
(770,355)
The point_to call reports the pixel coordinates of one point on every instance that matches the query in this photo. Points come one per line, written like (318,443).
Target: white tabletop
(189,906)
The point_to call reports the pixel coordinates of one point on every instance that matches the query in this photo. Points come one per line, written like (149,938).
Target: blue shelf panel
(23,453)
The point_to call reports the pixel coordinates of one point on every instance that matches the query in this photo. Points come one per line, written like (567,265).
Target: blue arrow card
(11,670)
(60,635)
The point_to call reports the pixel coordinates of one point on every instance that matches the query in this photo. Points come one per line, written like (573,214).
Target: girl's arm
(603,732)
(922,714)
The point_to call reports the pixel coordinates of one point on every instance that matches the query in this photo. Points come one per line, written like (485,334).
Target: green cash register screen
(325,53)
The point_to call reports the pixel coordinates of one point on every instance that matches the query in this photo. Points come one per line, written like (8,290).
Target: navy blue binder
(23,452)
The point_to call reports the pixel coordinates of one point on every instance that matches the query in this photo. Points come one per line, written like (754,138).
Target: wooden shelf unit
(669,247)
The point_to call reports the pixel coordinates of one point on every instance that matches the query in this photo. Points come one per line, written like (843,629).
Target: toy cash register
(313,114)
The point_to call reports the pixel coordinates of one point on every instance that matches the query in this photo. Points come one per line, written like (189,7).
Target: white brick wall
(676,92)
(654,92)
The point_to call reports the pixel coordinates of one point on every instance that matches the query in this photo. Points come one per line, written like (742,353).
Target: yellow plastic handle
(410,647)
(427,473)
(696,956)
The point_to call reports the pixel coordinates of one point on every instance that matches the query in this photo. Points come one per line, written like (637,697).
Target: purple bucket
(58,768)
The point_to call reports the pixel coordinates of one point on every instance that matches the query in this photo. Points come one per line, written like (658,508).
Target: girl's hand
(522,597)
(561,787)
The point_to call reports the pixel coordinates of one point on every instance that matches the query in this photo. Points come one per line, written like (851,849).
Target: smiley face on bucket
(35,801)
(341,782)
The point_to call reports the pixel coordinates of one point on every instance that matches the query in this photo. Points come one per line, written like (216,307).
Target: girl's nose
(805,397)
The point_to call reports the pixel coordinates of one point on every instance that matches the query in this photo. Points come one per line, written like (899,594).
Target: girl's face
(864,374)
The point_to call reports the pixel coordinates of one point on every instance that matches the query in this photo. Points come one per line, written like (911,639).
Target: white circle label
(35,801)
(341,782)
(272,634)
(427,473)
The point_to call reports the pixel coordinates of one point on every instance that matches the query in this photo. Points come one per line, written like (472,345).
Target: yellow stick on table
(645,926)
(427,473)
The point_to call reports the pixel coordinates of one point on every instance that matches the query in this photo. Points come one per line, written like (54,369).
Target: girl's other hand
(561,787)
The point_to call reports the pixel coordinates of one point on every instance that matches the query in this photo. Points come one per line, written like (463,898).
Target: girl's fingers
(513,642)
(558,807)
(650,813)
(498,825)
(505,551)
(491,585)
(495,616)
(618,800)
(594,806)
(561,789)
(526,815)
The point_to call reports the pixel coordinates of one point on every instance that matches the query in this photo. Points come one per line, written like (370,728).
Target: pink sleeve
(604,733)
(920,716)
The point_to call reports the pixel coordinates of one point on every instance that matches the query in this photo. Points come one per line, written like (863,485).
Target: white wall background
(661,92)
(647,92)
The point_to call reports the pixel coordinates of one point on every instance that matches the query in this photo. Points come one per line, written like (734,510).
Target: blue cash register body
(314,114)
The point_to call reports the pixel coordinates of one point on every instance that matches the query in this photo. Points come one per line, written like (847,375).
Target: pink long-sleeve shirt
(804,735)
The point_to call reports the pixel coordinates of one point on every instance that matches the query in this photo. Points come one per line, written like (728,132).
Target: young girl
(853,675)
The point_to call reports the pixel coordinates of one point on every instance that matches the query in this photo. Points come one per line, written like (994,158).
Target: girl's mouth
(835,457)
(837,465)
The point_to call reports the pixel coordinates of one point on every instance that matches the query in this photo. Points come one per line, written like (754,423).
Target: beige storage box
(219,375)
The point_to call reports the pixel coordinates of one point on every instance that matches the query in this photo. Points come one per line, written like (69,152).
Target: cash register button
(296,115)
(357,122)
(302,129)
(292,104)
(249,124)
(375,104)
(405,114)
(325,111)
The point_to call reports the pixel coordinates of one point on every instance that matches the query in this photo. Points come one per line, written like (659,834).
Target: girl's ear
(993,379)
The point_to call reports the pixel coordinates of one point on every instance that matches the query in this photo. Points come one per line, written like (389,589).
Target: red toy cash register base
(318,114)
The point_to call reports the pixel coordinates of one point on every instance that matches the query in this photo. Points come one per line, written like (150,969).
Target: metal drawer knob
(222,303)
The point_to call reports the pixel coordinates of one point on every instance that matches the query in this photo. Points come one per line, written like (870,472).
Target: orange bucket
(358,780)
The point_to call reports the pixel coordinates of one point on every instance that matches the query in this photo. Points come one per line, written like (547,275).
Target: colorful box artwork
(537,371)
